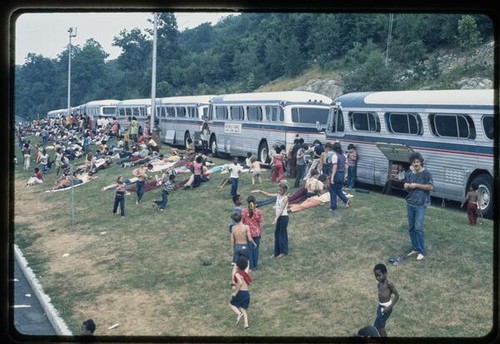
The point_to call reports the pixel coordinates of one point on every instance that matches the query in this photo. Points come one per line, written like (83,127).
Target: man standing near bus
(419,184)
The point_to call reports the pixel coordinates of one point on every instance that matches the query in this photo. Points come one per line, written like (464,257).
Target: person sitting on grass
(36,178)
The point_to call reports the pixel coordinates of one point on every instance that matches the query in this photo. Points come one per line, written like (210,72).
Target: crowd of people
(325,169)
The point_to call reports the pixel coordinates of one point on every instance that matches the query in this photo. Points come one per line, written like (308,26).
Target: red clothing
(254,222)
(472,212)
(278,171)
(39,175)
(246,277)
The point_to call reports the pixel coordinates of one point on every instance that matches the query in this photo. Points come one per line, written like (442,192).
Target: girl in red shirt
(254,219)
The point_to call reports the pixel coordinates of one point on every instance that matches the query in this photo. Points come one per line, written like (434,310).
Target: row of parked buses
(454,130)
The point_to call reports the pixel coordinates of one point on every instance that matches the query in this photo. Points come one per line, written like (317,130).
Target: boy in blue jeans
(234,169)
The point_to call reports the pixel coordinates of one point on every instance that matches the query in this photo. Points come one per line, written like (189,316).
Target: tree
(468,36)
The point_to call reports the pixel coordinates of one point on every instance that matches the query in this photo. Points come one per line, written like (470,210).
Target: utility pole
(153,77)
(72,33)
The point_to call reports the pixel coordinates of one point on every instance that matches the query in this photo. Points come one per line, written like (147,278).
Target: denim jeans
(162,204)
(336,190)
(254,253)
(234,186)
(351,176)
(140,189)
(416,217)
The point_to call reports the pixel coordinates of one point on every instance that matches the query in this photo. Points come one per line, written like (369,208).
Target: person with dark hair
(300,163)
(419,184)
(473,201)
(254,218)
(240,237)
(352,165)
(168,187)
(234,170)
(337,178)
(278,161)
(367,332)
(236,208)
(36,178)
(88,328)
(120,190)
(240,295)
(142,175)
(386,301)
(204,137)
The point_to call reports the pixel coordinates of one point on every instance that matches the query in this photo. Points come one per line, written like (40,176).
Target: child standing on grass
(280,220)
(236,208)
(119,196)
(235,169)
(385,300)
(240,296)
(472,199)
(168,187)
(255,169)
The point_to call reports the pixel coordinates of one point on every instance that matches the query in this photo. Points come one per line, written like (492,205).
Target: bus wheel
(213,146)
(485,189)
(264,153)
(186,138)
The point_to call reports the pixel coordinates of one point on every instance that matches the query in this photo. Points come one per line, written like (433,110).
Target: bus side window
(455,126)
(254,113)
(221,112)
(237,113)
(488,128)
(364,121)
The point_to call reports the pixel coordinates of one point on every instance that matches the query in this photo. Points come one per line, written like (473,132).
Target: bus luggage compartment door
(395,151)
(397,158)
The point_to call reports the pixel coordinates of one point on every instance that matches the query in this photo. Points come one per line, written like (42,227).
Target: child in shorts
(240,296)
(386,301)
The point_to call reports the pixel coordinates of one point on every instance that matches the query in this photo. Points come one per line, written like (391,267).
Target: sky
(47,33)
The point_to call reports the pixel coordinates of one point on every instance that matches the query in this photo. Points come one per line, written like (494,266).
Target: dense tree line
(243,52)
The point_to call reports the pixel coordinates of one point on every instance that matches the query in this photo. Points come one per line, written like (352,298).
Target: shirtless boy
(472,199)
(240,237)
(386,302)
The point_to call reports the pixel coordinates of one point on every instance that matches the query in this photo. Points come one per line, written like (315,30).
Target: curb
(57,322)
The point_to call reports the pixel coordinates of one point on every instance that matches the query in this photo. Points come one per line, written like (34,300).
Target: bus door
(397,164)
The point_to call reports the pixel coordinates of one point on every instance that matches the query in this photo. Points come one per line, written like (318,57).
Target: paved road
(29,317)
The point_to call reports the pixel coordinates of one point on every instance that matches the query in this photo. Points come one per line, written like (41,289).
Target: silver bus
(180,118)
(452,129)
(256,122)
(139,108)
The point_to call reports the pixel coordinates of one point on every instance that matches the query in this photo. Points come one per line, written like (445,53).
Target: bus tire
(264,153)
(213,146)
(485,188)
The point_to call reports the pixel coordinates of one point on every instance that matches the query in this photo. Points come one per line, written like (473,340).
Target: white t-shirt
(235,170)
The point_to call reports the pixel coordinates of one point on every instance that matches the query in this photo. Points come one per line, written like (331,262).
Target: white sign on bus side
(232,128)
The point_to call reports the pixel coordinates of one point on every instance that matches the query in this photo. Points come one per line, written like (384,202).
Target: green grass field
(167,273)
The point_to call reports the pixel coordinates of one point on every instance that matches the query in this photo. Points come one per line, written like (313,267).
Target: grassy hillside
(161,274)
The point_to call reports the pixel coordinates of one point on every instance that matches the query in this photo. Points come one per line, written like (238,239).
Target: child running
(168,187)
(255,169)
(240,296)
(472,199)
(385,300)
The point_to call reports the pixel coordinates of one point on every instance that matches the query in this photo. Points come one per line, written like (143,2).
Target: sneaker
(412,253)
(420,256)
